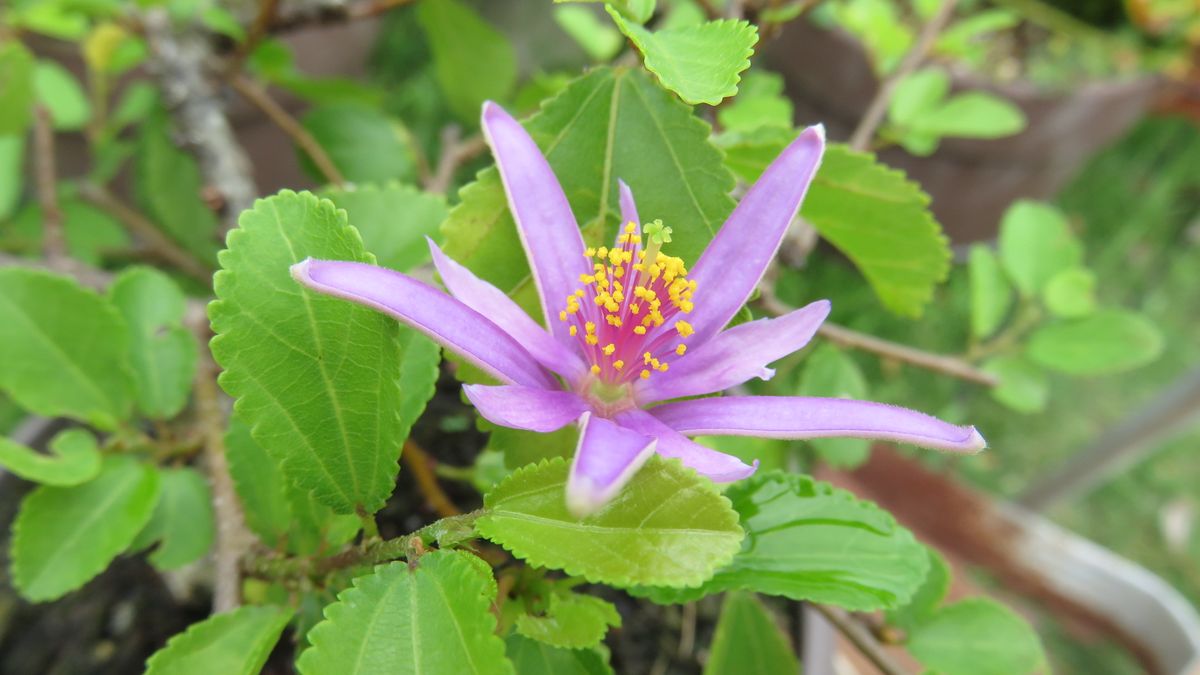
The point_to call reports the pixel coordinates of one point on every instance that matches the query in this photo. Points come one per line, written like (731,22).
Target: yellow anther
(579,293)
(640,330)
(630,227)
(645,375)
(562,316)
(609,349)
(595,370)
(635,308)
(602,253)
(685,329)
(589,252)
(662,367)
(618,364)
(681,349)
(573,331)
(646,357)
(619,272)
(591,339)
(614,320)
(635,239)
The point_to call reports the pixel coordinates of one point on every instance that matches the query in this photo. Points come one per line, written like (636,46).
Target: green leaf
(770,453)
(16,81)
(748,640)
(759,103)
(991,294)
(64,536)
(668,527)
(12,172)
(168,186)
(163,353)
(572,621)
(65,347)
(431,618)
(281,514)
(928,597)
(609,123)
(881,221)
(74,458)
(749,152)
(1035,244)
(233,643)
(92,235)
(393,219)
(61,94)
(975,114)
(530,657)
(314,376)
(1023,386)
(976,637)
(599,40)
(1071,293)
(830,372)
(806,540)
(419,361)
(363,143)
(916,95)
(700,63)
(472,60)
(182,520)
(1108,341)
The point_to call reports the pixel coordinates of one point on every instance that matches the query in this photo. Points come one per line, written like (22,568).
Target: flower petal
(545,224)
(444,319)
(607,457)
(529,408)
(735,355)
(798,417)
(731,266)
(490,301)
(718,466)
(629,212)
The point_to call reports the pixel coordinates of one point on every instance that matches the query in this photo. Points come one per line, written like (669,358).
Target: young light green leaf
(61,94)
(472,60)
(829,371)
(1108,341)
(975,114)
(430,619)
(881,221)
(92,235)
(976,637)
(749,152)
(571,621)
(991,294)
(759,103)
(182,520)
(806,540)
(16,81)
(74,458)
(530,657)
(393,219)
(916,95)
(598,39)
(748,640)
(65,349)
(928,597)
(363,143)
(1023,386)
(315,377)
(702,64)
(1071,293)
(168,187)
(668,527)
(162,352)
(233,643)
(1035,244)
(609,123)
(12,172)
(64,536)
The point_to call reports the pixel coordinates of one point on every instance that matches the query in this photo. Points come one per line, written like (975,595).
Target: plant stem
(862,639)
(418,461)
(54,240)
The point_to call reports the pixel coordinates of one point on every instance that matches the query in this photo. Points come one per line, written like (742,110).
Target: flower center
(626,313)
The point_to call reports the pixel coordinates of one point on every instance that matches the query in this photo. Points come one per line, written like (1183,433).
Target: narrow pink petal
(629,212)
(731,266)
(545,224)
(608,455)
(735,355)
(529,408)
(490,301)
(799,418)
(718,466)
(444,319)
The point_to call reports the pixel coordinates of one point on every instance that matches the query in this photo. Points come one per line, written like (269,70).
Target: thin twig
(54,239)
(687,631)
(263,20)
(232,538)
(149,233)
(455,151)
(947,365)
(304,14)
(257,95)
(861,638)
(180,63)
(861,138)
(417,461)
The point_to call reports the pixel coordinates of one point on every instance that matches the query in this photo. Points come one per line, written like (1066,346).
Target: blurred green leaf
(600,40)
(1023,386)
(473,61)
(927,599)
(16,81)
(182,522)
(1036,244)
(92,235)
(917,94)
(61,94)
(364,144)
(12,172)
(233,643)
(975,114)
(1071,293)
(571,621)
(74,458)
(530,657)
(828,371)
(976,637)
(759,103)
(393,219)
(702,64)
(1108,341)
(991,293)
(748,640)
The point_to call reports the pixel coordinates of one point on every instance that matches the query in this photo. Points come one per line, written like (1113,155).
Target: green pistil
(655,234)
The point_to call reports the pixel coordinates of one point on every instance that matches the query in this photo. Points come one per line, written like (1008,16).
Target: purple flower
(630,327)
